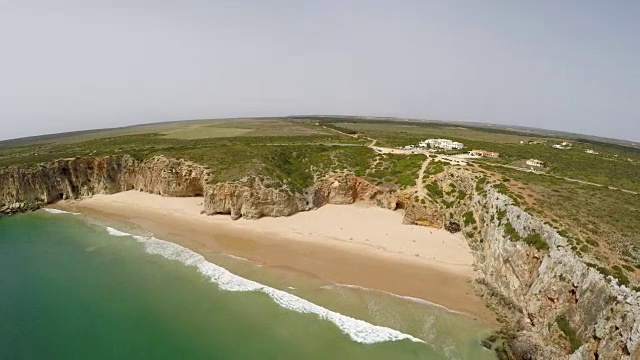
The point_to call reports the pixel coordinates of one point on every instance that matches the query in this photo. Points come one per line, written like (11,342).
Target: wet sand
(346,244)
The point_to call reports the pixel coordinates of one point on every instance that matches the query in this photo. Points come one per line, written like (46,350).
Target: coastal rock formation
(169,177)
(346,188)
(31,188)
(251,198)
(557,306)
(25,189)
(556,301)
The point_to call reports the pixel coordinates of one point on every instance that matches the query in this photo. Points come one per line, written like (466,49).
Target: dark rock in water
(486,344)
(490,342)
(452,227)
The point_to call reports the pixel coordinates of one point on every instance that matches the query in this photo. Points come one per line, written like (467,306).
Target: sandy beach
(347,244)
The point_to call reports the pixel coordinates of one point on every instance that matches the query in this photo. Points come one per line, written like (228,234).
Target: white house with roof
(535,162)
(444,144)
(483,153)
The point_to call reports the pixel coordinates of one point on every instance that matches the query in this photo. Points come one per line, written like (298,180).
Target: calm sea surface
(72,288)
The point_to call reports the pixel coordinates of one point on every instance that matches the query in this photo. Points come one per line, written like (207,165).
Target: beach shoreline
(346,244)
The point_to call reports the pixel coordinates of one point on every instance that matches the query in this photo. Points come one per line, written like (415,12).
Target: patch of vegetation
(627,253)
(435,167)
(501,215)
(342,129)
(468,218)
(537,241)
(480,184)
(592,242)
(616,272)
(504,190)
(629,268)
(401,170)
(434,190)
(511,232)
(569,332)
(461,195)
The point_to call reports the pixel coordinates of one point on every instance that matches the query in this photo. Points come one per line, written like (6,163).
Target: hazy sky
(566,65)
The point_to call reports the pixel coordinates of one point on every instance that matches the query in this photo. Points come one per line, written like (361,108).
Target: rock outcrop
(24,189)
(251,198)
(531,269)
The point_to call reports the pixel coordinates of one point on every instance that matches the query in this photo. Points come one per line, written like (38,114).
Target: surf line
(56,211)
(358,330)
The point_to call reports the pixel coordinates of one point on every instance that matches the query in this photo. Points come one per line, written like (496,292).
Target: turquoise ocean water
(73,288)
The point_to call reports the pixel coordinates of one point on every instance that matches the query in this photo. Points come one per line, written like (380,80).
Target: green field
(615,165)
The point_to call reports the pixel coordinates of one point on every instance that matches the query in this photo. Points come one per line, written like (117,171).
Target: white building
(589,151)
(559,147)
(536,163)
(483,153)
(445,144)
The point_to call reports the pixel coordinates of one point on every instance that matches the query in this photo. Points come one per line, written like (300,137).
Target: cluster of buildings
(483,153)
(564,146)
(444,144)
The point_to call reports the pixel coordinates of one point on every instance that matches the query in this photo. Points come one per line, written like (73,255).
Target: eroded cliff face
(539,286)
(29,189)
(534,286)
(251,198)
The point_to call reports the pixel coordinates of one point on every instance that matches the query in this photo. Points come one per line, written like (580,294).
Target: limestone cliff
(23,189)
(532,270)
(251,198)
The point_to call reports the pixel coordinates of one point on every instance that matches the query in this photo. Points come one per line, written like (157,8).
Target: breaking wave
(115,232)
(408,298)
(56,211)
(358,330)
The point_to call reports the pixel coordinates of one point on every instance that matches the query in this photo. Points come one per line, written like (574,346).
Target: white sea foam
(115,232)
(56,211)
(358,330)
(409,298)
(237,258)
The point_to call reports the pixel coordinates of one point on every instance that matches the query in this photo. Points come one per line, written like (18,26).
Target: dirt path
(563,178)
(420,181)
(340,132)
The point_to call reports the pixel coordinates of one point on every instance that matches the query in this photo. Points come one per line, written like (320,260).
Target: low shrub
(468,218)
(511,232)
(569,332)
(537,241)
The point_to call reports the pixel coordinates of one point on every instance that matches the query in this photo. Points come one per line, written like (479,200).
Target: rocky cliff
(558,308)
(252,198)
(23,189)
